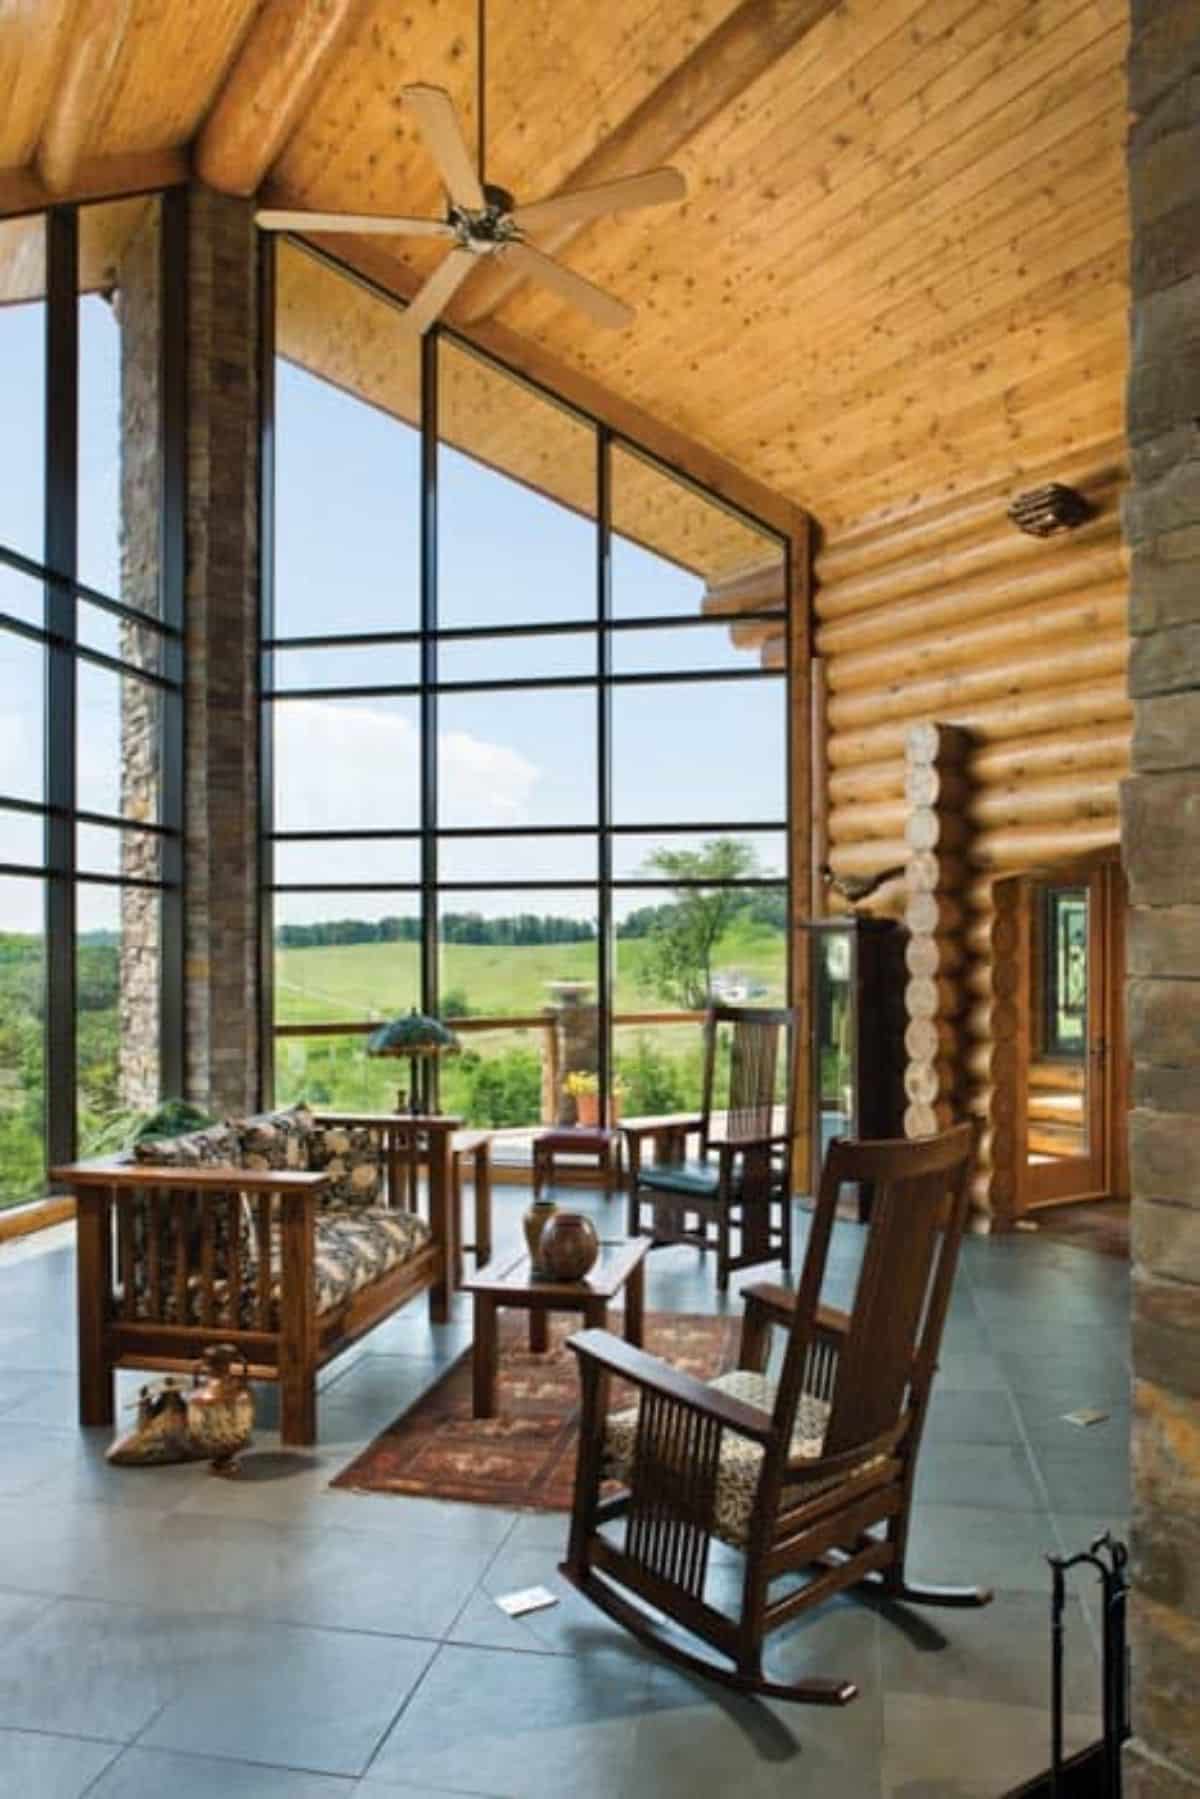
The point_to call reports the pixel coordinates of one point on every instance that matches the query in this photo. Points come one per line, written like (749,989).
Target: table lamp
(418,1037)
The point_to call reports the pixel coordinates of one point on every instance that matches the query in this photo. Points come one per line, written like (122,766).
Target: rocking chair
(741,1172)
(795,1473)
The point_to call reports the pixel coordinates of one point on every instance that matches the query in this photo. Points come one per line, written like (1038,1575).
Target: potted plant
(584,1089)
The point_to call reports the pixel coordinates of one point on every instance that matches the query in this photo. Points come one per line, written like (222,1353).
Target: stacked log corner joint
(936,831)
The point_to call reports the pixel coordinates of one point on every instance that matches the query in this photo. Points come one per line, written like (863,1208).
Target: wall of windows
(521,778)
(90,687)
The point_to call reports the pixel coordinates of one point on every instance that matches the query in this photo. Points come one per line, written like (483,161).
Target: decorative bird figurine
(857,888)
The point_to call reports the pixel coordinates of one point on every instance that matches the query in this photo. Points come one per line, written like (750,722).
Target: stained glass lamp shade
(418,1037)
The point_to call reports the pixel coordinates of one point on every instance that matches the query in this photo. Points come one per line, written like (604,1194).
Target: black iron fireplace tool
(1095,1772)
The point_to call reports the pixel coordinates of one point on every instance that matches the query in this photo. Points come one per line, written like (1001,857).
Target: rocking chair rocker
(796,1474)
(743,1171)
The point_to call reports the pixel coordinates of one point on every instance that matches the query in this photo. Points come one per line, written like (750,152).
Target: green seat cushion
(698,1178)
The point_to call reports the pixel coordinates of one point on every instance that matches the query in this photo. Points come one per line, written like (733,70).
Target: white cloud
(342,765)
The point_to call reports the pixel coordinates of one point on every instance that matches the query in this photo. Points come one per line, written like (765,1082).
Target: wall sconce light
(1044,510)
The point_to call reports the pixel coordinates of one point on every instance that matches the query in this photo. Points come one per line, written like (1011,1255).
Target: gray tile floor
(162,1632)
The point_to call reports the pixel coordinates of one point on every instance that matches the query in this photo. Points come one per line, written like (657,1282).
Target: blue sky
(348,562)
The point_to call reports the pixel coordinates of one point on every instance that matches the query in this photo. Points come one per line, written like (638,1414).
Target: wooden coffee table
(508,1282)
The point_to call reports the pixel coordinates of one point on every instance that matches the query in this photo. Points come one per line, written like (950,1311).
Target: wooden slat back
(127,1257)
(904,1282)
(263,1206)
(155,1225)
(749,1098)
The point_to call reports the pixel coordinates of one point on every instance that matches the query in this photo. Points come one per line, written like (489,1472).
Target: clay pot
(534,1224)
(587,1110)
(220,1407)
(569,1246)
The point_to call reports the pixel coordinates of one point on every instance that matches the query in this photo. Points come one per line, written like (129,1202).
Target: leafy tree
(679,952)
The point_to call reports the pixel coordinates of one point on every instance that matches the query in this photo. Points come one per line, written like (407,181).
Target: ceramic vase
(569,1246)
(534,1224)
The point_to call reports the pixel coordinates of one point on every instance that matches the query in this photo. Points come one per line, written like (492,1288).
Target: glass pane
(139,645)
(517,658)
(119,344)
(335,1072)
(342,765)
(527,957)
(673,549)
(23,383)
(358,665)
(22,714)
(99,562)
(22,1027)
(643,856)
(22,838)
(345,957)
(347,458)
(117,960)
(833,1024)
(1066,971)
(516,501)
(679,949)
(107,850)
(357,859)
(20,595)
(512,759)
(681,649)
(516,858)
(709,749)
(118,743)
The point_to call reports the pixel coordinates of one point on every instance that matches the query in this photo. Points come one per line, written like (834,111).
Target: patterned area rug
(526,1455)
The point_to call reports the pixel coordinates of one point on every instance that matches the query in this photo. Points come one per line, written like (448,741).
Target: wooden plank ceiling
(900,271)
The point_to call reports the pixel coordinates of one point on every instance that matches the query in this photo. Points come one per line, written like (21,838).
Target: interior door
(1069,1098)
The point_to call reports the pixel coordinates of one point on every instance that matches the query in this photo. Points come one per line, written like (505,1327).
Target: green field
(496,1080)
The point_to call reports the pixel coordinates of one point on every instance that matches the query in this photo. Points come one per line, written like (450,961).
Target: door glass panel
(1059,1066)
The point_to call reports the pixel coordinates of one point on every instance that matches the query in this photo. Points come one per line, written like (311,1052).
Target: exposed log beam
(720,68)
(99,178)
(97,38)
(287,55)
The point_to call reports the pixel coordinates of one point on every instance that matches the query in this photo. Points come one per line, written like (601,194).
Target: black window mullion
(61,545)
(267,266)
(429,675)
(604,765)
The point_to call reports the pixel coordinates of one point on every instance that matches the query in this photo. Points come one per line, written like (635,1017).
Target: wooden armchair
(797,1473)
(741,1174)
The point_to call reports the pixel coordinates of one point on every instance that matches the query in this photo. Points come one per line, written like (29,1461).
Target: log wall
(951,615)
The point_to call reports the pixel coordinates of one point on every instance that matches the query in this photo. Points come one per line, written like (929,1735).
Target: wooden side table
(510,1283)
(478,1146)
(577,1140)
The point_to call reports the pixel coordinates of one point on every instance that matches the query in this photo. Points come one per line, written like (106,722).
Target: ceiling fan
(483,220)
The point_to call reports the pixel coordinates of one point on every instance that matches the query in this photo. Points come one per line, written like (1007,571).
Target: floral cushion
(351,1251)
(352,1156)
(212,1147)
(275,1140)
(740,1459)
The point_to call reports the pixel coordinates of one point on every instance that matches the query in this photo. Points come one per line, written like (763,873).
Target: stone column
(1161,845)
(137,300)
(222,625)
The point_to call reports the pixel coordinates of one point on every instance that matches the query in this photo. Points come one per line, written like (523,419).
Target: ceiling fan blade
(604,308)
(275,220)
(653,188)
(447,145)
(438,291)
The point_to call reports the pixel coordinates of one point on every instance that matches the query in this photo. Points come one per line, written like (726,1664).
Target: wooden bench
(229,1253)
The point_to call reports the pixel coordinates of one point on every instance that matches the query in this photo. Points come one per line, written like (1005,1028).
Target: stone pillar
(1161,845)
(137,301)
(577,1040)
(222,624)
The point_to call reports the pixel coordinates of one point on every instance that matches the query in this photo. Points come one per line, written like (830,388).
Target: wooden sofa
(276,1233)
